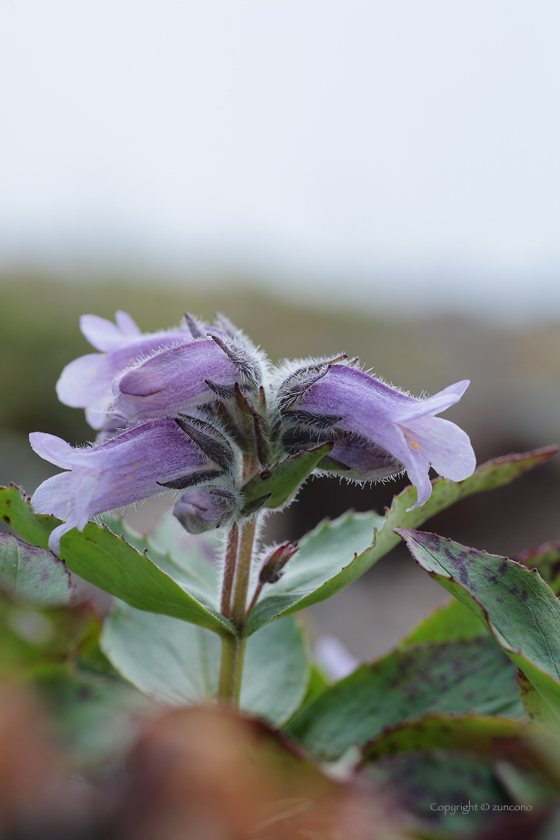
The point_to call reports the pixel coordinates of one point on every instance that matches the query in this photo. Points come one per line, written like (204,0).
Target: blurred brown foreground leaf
(201,773)
(210,774)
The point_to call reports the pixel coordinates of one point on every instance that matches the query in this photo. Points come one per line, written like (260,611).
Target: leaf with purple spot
(33,575)
(453,678)
(520,610)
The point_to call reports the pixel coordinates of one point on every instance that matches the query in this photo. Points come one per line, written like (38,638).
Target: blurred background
(378,179)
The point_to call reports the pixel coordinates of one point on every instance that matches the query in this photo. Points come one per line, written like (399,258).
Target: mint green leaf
(451,622)
(108,561)
(337,553)
(283,480)
(455,677)
(178,663)
(33,575)
(518,607)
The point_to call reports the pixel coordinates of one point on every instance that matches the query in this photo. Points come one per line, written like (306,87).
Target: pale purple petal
(56,495)
(85,380)
(173,381)
(85,500)
(403,447)
(106,336)
(58,452)
(54,449)
(58,533)
(418,471)
(436,404)
(446,446)
(127,325)
(101,333)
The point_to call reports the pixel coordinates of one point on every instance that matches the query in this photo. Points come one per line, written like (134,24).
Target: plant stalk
(239,555)
(231,669)
(243,572)
(229,570)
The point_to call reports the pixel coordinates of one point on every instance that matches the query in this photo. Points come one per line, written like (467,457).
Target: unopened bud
(273,567)
(202,509)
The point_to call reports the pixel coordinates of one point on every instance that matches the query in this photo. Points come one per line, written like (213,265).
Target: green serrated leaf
(454,677)
(185,564)
(451,622)
(471,733)
(178,663)
(282,480)
(33,575)
(108,561)
(519,608)
(336,554)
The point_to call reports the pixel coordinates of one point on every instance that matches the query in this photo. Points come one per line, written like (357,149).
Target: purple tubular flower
(123,470)
(174,381)
(202,509)
(86,382)
(379,431)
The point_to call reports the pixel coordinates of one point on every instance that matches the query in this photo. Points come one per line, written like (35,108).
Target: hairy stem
(239,555)
(231,669)
(229,570)
(244,558)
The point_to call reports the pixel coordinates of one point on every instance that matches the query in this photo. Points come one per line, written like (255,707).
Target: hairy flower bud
(273,567)
(205,508)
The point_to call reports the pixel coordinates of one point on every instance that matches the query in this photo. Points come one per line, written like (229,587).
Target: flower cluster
(200,410)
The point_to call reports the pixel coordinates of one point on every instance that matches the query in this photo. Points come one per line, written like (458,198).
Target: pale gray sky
(413,139)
